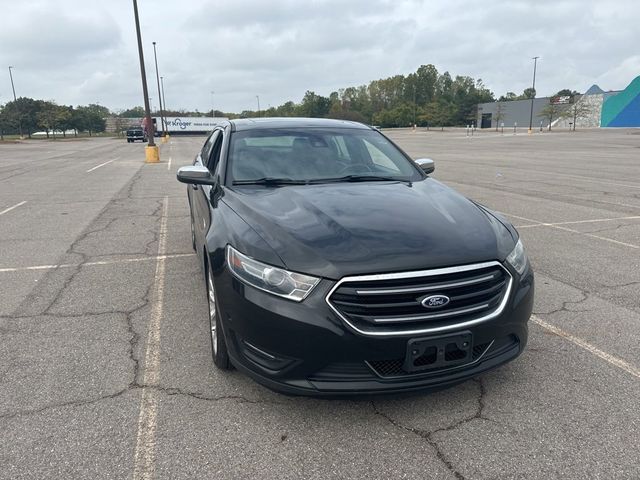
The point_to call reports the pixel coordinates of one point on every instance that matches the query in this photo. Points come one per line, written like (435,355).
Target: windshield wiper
(365,178)
(270,181)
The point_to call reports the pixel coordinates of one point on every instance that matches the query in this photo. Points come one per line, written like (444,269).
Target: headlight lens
(518,258)
(291,285)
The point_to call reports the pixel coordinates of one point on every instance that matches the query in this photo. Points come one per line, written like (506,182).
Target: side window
(206,149)
(214,156)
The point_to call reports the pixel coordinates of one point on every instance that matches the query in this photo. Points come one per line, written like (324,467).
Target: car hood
(340,229)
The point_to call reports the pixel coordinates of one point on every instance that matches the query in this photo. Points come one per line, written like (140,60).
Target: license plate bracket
(438,352)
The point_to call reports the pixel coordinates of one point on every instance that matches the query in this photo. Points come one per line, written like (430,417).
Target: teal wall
(623,109)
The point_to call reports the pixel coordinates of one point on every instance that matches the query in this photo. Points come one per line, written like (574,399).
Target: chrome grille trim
(423,273)
(428,288)
(430,316)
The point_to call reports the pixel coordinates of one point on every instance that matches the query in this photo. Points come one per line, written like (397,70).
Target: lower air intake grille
(393,368)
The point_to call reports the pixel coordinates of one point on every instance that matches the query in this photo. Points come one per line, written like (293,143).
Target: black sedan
(334,264)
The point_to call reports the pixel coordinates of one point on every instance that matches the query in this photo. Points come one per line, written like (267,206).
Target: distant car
(136,133)
(334,264)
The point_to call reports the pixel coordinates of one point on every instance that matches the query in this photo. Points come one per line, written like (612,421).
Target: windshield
(314,155)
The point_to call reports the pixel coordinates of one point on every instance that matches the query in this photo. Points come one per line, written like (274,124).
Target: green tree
(576,110)
(437,114)
(314,105)
(135,112)
(500,113)
(64,115)
(528,93)
(550,112)
(565,92)
(23,113)
(90,118)
(46,116)
(508,97)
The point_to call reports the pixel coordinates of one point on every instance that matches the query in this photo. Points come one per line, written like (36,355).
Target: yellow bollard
(152,154)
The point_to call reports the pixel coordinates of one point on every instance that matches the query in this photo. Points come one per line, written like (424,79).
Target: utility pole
(151,150)
(155,56)
(258,97)
(414,104)
(164,101)
(535,62)
(213,112)
(15,100)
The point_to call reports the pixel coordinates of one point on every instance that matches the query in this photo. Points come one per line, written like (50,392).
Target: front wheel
(218,345)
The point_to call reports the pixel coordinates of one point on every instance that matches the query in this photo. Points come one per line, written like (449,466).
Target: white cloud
(79,52)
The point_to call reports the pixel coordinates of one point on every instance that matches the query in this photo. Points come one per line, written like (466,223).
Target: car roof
(293,122)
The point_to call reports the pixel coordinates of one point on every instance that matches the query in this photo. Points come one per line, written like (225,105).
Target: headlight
(291,285)
(517,258)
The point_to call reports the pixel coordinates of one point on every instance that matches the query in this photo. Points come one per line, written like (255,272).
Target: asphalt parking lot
(105,364)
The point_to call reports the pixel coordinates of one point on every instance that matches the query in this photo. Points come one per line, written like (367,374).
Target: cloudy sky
(79,51)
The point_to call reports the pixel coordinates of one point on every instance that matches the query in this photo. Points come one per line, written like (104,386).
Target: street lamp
(533,87)
(164,101)
(213,112)
(13,88)
(258,98)
(151,150)
(414,104)
(155,56)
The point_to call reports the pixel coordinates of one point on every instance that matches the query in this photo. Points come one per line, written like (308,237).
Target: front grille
(392,303)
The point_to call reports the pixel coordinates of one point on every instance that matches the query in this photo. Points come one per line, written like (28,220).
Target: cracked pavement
(73,338)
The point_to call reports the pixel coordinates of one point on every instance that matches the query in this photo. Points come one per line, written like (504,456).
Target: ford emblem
(435,301)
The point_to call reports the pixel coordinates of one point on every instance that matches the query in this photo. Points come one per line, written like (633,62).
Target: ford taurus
(335,264)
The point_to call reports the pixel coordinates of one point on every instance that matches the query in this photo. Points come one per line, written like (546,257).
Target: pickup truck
(136,133)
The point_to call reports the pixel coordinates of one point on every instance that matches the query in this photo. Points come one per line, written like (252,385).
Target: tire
(128,140)
(219,350)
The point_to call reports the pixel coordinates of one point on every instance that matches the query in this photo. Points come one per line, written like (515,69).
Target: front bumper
(306,349)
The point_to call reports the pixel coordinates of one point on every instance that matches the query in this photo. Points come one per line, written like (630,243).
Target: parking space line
(169,164)
(145,453)
(635,217)
(611,240)
(101,165)
(7,210)
(611,359)
(99,262)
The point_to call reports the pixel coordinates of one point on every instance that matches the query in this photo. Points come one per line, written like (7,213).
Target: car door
(199,194)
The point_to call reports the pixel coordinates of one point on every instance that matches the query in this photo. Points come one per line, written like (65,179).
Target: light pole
(213,112)
(414,104)
(155,56)
(258,98)
(164,101)
(15,100)
(533,87)
(151,150)
(12,86)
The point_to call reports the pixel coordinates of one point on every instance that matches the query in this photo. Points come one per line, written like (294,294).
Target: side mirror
(426,164)
(195,175)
